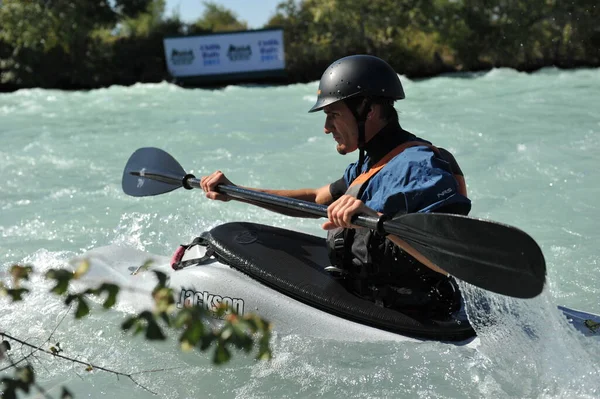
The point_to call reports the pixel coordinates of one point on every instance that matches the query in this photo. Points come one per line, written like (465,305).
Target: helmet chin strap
(361,120)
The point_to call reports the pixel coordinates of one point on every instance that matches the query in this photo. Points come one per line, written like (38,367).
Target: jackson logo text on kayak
(208,301)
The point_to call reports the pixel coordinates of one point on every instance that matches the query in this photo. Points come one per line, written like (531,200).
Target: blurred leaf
(24,378)
(129,323)
(70,298)
(185,346)
(15,294)
(226,332)
(66,394)
(264,347)
(25,374)
(83,308)
(162,278)
(182,318)
(154,332)
(62,278)
(139,328)
(144,267)
(222,354)
(206,341)
(192,334)
(163,299)
(19,273)
(112,290)
(82,269)
(167,319)
(5,346)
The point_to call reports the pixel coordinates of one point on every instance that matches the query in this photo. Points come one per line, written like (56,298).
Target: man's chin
(343,150)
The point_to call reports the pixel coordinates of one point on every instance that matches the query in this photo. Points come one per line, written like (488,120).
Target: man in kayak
(396,173)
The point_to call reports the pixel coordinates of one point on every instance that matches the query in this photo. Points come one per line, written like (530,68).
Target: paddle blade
(490,255)
(151,171)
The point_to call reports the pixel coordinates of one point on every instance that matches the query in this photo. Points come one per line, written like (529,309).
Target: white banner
(225,53)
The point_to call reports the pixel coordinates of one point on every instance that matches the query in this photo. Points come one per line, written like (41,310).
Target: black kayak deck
(293,263)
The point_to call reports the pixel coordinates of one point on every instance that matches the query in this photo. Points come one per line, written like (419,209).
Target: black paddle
(490,255)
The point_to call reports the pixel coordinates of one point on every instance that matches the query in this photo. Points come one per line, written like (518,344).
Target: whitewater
(527,143)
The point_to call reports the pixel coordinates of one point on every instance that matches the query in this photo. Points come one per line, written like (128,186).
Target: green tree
(74,44)
(217,18)
(322,31)
(144,22)
(44,25)
(520,34)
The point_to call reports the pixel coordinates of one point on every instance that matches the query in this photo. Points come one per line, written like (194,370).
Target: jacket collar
(388,138)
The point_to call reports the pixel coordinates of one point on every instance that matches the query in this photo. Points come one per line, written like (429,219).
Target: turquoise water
(528,144)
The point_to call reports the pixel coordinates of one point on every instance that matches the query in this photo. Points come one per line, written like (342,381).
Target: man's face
(341,124)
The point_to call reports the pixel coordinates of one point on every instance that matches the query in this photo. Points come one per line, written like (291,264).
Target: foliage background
(83,44)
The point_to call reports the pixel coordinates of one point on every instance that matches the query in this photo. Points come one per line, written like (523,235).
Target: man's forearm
(303,194)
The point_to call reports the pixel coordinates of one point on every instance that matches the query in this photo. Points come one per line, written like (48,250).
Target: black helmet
(355,75)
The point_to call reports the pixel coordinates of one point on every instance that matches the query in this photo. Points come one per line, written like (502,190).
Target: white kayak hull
(289,304)
(209,284)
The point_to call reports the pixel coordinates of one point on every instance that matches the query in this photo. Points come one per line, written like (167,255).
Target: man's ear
(373,111)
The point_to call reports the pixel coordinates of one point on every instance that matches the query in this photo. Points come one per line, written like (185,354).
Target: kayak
(284,275)
(280,275)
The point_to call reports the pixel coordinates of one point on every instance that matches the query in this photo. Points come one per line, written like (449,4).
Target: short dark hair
(388,112)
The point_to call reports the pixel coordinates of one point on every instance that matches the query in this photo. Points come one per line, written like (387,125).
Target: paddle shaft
(164,177)
(309,208)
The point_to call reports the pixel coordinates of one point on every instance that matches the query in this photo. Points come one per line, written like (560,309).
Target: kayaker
(396,173)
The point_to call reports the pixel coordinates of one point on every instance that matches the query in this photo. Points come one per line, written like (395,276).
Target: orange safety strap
(363,177)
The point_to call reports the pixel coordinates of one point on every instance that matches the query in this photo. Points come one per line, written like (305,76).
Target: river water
(528,144)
